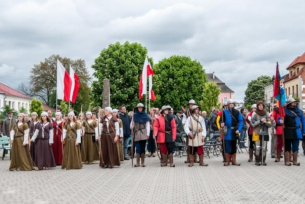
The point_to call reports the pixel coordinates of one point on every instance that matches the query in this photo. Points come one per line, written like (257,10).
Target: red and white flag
(146,72)
(63,83)
(74,85)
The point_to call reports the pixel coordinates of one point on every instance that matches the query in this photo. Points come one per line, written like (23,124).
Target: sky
(239,40)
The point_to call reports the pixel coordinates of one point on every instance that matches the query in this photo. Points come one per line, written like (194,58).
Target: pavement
(274,183)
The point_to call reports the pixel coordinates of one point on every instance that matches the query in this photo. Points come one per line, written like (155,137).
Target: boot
(295,159)
(138,160)
(171,160)
(278,156)
(195,158)
(234,160)
(143,160)
(291,156)
(264,161)
(201,163)
(187,158)
(287,158)
(149,154)
(228,159)
(257,160)
(250,155)
(164,160)
(191,160)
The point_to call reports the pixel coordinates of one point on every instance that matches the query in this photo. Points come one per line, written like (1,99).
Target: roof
(12,92)
(46,108)
(223,87)
(297,60)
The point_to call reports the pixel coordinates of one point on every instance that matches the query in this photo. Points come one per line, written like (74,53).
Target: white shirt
(116,126)
(188,126)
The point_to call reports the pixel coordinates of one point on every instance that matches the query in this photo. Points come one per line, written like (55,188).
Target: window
(286,91)
(298,69)
(289,91)
(225,99)
(293,90)
(13,105)
(297,90)
(18,105)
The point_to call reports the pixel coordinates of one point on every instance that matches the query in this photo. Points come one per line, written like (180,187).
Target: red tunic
(250,131)
(159,129)
(279,127)
(57,145)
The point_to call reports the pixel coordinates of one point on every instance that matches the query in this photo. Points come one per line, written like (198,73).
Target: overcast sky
(239,39)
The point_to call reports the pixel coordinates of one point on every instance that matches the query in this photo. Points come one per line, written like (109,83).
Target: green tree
(177,80)
(23,110)
(256,90)
(64,107)
(36,106)
(122,64)
(5,110)
(210,96)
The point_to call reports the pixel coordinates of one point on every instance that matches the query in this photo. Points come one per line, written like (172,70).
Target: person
(233,121)
(80,121)
(109,131)
(151,146)
(279,133)
(261,122)
(19,138)
(50,116)
(164,130)
(294,123)
(179,125)
(57,145)
(243,133)
(206,120)
(221,132)
(250,132)
(27,119)
(71,139)
(43,138)
(140,125)
(115,113)
(213,117)
(272,135)
(196,131)
(33,127)
(8,123)
(126,129)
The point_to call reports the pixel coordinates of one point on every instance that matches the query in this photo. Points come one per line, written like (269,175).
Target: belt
(168,132)
(107,133)
(18,136)
(292,127)
(90,133)
(232,128)
(71,137)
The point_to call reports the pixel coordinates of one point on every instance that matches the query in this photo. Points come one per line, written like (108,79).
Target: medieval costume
(120,141)
(164,130)
(151,145)
(141,129)
(89,149)
(126,130)
(221,130)
(8,124)
(196,131)
(33,126)
(109,131)
(57,145)
(279,133)
(233,122)
(19,135)
(250,133)
(260,122)
(43,138)
(71,139)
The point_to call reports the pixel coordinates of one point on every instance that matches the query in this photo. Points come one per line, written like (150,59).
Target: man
(196,131)
(233,121)
(126,129)
(221,136)
(244,129)
(178,119)
(8,124)
(50,116)
(250,132)
(206,120)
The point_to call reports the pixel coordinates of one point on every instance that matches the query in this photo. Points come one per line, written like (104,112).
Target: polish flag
(63,83)
(146,72)
(74,85)
(150,73)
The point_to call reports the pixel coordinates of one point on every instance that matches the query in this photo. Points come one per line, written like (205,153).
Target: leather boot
(201,163)
(164,160)
(291,156)
(191,160)
(287,158)
(196,158)
(264,161)
(250,155)
(257,160)
(171,160)
(143,160)
(295,159)
(138,160)
(234,160)
(278,156)
(187,157)
(228,159)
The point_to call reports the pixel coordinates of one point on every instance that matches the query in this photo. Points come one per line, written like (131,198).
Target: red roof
(46,108)
(11,92)
(297,60)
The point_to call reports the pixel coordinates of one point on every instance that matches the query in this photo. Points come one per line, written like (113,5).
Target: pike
(100,139)
(132,142)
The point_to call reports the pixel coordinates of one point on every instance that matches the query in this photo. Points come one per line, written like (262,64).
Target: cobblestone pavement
(248,183)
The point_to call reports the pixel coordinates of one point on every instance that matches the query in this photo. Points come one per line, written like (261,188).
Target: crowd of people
(45,142)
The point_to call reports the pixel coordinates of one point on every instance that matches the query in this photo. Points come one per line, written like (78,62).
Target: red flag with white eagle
(146,72)
(63,83)
(75,85)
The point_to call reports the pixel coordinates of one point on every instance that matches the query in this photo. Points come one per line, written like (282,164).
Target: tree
(177,80)
(36,106)
(64,107)
(5,110)
(122,64)
(23,110)
(210,96)
(256,90)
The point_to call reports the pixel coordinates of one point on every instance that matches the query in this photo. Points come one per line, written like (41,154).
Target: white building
(269,96)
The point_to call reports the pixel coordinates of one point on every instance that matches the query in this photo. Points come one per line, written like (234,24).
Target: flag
(279,91)
(63,83)
(143,80)
(74,85)
(150,73)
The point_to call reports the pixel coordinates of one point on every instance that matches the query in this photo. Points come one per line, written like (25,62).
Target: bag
(255,137)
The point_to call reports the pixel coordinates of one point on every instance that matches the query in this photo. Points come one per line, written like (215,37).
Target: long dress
(43,137)
(119,143)
(109,128)
(72,156)
(57,145)
(21,158)
(89,144)
(33,127)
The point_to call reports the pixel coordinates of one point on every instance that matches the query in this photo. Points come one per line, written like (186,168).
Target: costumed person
(294,130)
(196,131)
(279,133)
(33,127)
(57,145)
(261,122)
(221,135)
(50,116)
(8,123)
(164,130)
(109,131)
(250,132)
(140,125)
(19,138)
(80,121)
(115,113)
(151,146)
(89,149)
(71,139)
(126,129)
(233,122)
(43,138)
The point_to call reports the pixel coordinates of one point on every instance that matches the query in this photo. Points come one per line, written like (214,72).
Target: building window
(293,90)
(297,90)
(225,99)
(289,91)
(298,69)
(13,105)
(18,105)
(286,92)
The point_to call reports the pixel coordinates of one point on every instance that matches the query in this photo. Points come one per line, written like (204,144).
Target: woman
(89,139)
(115,113)
(71,139)
(21,159)
(57,145)
(260,122)
(279,133)
(141,129)
(43,138)
(33,127)
(151,147)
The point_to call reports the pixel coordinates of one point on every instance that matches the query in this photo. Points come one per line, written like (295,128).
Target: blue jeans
(125,145)
(242,139)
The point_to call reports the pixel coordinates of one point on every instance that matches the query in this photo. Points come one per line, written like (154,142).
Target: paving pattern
(274,183)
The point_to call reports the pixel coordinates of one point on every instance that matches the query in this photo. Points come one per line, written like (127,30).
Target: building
(226,93)
(269,99)
(13,98)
